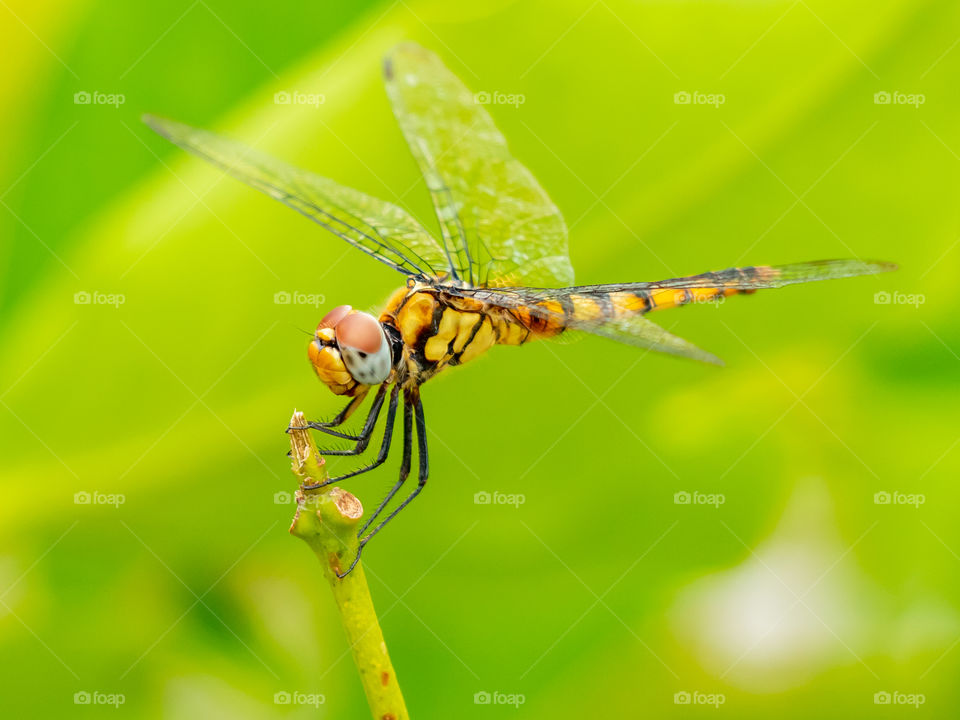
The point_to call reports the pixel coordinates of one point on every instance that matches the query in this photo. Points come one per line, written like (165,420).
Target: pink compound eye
(360,331)
(333,318)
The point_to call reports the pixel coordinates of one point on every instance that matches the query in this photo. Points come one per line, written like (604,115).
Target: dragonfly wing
(379,228)
(641,332)
(758,278)
(498,224)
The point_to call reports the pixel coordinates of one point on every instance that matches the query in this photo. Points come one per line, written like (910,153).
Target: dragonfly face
(350,351)
(498,273)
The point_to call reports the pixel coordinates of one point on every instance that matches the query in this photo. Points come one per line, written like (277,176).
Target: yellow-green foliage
(597,596)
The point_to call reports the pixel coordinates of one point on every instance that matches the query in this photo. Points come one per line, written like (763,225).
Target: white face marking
(368,368)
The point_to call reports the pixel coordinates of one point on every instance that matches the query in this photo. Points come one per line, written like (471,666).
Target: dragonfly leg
(384,445)
(404,463)
(340,419)
(412,408)
(363,438)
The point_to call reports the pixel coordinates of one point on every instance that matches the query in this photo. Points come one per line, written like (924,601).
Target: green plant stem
(327,520)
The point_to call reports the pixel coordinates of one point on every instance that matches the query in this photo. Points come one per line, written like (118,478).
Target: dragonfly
(498,272)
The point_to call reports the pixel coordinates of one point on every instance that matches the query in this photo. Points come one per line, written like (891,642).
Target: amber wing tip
(875,267)
(711,359)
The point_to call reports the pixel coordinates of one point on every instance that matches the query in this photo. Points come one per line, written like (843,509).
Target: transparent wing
(643,333)
(745,278)
(739,278)
(634,330)
(498,224)
(375,226)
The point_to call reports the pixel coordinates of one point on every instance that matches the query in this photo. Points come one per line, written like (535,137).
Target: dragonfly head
(350,351)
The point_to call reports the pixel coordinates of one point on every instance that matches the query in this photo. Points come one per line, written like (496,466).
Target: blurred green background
(803,594)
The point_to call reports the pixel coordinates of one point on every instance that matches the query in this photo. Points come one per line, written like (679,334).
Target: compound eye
(333,318)
(359,331)
(364,347)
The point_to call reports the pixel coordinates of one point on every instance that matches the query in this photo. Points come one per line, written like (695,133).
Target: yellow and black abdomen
(595,307)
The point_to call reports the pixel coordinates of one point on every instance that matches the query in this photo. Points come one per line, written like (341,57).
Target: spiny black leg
(404,463)
(367,427)
(339,419)
(363,439)
(411,402)
(424,469)
(384,445)
(404,473)
(342,415)
(327,428)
